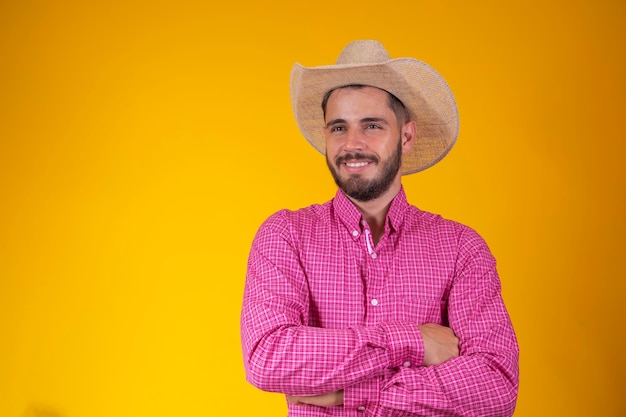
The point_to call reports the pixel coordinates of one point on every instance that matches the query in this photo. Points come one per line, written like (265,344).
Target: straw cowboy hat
(421,89)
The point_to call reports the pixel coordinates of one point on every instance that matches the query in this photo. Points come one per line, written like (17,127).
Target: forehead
(358,98)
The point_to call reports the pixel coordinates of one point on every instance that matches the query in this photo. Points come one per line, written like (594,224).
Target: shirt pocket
(422,310)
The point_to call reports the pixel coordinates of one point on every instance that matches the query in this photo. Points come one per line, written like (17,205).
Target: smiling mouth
(356,160)
(356,164)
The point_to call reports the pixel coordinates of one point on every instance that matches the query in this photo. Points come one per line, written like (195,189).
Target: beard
(361,189)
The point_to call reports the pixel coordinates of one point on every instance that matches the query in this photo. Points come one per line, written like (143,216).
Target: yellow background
(142,144)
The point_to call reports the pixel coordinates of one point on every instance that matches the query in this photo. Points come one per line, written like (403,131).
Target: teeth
(356,164)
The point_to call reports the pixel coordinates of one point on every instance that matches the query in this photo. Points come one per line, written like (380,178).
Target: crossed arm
(440,344)
(470,368)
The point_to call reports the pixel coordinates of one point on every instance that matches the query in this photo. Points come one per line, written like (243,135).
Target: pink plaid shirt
(324,309)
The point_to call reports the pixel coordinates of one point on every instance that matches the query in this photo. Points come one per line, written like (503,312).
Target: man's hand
(325,400)
(440,343)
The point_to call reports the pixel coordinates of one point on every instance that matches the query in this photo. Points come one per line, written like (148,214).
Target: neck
(375,211)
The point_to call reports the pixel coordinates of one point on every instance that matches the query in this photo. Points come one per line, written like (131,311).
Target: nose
(354,141)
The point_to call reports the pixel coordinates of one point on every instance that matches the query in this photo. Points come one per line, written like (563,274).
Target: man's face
(363,142)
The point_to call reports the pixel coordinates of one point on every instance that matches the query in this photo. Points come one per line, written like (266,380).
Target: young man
(366,305)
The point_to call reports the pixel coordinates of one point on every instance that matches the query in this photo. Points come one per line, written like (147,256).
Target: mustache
(360,156)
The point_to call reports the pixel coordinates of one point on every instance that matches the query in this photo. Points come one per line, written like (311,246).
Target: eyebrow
(374,119)
(364,120)
(335,121)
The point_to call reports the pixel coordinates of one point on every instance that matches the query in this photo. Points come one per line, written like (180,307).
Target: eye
(337,128)
(373,126)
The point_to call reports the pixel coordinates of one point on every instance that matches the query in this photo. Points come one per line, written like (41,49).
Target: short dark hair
(402,114)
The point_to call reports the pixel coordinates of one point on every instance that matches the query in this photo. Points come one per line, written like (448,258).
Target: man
(366,305)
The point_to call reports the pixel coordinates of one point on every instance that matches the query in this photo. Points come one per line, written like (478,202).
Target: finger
(292,399)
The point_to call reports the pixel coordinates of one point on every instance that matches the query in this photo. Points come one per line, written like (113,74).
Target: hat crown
(363,52)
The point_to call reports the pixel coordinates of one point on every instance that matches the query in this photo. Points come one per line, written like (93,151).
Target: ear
(407,135)
(324,130)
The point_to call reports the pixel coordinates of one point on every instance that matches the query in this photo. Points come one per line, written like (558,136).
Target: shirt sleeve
(483,379)
(283,354)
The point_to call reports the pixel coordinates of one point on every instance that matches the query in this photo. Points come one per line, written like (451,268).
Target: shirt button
(355,233)
(374,302)
(374,256)
(361,408)
(406,364)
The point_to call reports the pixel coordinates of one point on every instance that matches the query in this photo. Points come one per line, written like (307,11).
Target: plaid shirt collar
(352,219)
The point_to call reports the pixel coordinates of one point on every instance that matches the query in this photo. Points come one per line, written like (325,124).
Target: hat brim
(421,89)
